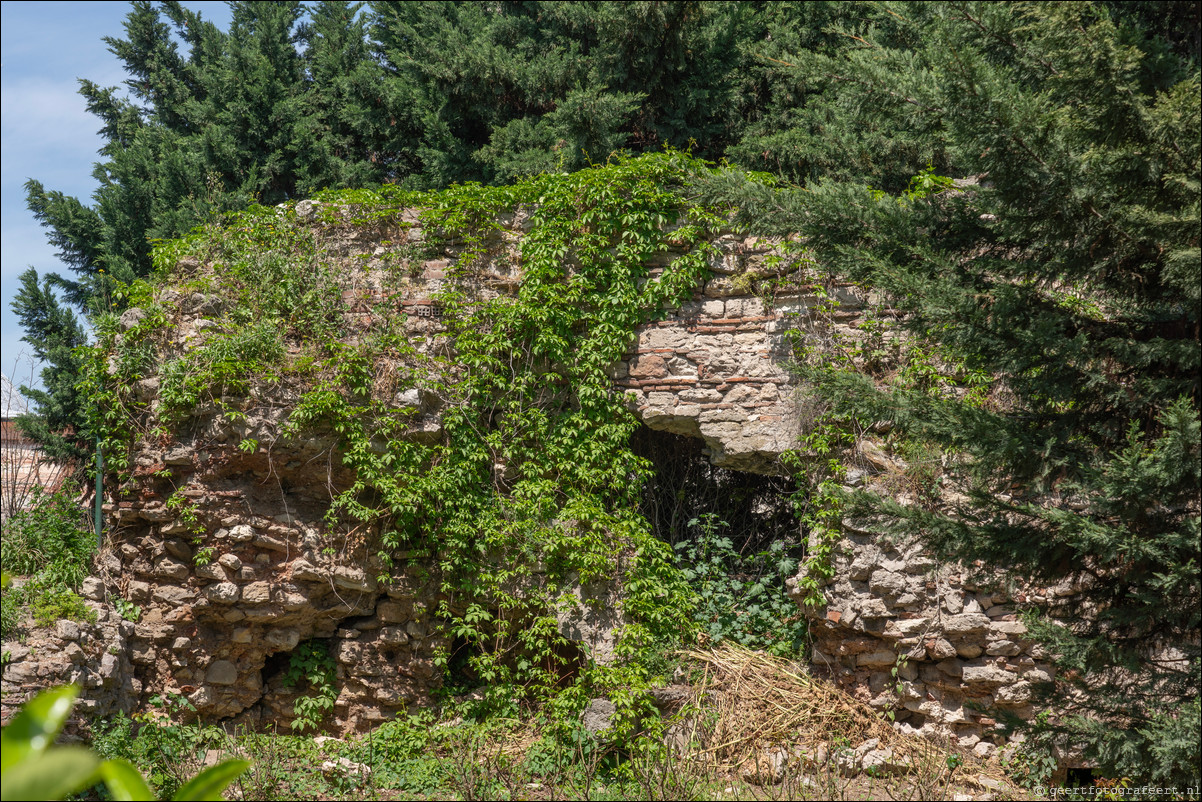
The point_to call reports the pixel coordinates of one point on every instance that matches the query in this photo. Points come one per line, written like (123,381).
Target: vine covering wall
(398,411)
(371,444)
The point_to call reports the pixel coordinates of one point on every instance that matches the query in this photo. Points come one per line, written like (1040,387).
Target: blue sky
(46,132)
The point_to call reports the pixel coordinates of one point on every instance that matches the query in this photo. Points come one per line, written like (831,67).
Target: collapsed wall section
(214,623)
(94,655)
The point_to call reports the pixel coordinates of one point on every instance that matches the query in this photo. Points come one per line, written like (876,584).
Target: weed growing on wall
(222,364)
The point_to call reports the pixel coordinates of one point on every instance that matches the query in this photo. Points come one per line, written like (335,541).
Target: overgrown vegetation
(1049,374)
(735,536)
(50,544)
(717,748)
(50,539)
(165,742)
(532,488)
(311,670)
(741,596)
(1048,298)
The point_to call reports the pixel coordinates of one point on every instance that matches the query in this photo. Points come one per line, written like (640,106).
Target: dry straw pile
(749,704)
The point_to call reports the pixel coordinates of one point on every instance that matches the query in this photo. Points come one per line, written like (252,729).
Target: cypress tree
(54,333)
(805,130)
(346,133)
(496,91)
(1063,279)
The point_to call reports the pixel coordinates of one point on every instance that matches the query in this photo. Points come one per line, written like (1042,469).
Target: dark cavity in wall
(753,510)
(274,666)
(461,676)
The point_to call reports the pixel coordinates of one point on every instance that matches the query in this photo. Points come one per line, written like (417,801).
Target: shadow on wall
(686,485)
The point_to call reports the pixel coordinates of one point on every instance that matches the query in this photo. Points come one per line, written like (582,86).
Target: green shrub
(52,604)
(52,543)
(161,744)
(285,767)
(114,737)
(399,754)
(51,539)
(225,364)
(741,597)
(35,768)
(10,614)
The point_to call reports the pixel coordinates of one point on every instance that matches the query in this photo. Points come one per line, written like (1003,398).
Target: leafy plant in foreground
(34,768)
(166,742)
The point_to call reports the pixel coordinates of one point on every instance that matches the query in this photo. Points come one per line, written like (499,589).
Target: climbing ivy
(818,502)
(312,665)
(531,488)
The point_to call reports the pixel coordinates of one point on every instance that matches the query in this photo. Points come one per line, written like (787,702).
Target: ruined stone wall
(220,628)
(94,656)
(210,628)
(959,649)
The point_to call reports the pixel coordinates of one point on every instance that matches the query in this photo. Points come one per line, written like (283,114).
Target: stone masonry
(94,656)
(959,649)
(233,580)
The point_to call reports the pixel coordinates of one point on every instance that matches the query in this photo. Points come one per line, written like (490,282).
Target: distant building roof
(12,403)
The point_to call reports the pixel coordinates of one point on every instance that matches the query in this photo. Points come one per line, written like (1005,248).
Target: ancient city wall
(219,626)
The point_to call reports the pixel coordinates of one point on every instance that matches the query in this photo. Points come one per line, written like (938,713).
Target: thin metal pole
(99,514)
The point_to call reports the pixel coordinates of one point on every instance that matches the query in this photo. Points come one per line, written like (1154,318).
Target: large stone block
(988,675)
(965,625)
(887,583)
(877,659)
(221,672)
(257,593)
(392,612)
(354,579)
(169,568)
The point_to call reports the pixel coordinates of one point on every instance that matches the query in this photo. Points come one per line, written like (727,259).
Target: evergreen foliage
(505,90)
(805,130)
(53,331)
(1050,300)
(1066,273)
